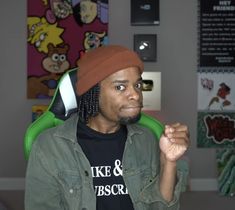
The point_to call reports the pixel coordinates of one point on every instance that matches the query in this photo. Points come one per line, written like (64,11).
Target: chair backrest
(63,104)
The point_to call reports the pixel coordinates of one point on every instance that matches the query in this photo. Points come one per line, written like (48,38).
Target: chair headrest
(65,99)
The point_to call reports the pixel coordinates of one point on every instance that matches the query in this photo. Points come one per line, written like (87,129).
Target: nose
(135,94)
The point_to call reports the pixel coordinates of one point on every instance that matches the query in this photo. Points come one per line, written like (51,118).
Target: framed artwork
(144,12)
(216,91)
(59,33)
(151,91)
(216,108)
(145,45)
(216,130)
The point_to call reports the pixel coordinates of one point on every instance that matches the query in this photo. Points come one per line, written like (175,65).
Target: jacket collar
(68,129)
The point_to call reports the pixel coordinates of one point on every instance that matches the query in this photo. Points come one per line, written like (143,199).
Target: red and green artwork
(216,109)
(216,130)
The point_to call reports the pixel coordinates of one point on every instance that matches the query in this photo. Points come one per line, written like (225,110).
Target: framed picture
(145,45)
(151,91)
(144,12)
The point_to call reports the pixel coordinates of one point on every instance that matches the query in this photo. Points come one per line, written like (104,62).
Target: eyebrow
(125,81)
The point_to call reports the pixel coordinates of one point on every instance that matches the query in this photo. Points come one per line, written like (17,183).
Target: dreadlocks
(88,103)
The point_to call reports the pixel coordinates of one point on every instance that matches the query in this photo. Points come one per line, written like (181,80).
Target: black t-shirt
(104,152)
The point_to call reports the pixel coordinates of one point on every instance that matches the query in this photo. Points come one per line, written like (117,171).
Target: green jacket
(59,174)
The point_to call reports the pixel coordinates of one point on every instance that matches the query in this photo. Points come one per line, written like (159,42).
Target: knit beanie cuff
(97,64)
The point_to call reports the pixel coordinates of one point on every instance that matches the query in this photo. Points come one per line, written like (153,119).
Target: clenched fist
(174,141)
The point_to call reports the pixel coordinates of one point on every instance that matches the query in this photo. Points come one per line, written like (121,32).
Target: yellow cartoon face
(88,11)
(41,33)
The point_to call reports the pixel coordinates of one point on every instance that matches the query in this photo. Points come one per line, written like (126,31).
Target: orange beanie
(95,65)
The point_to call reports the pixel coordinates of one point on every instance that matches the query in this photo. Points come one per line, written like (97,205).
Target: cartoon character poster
(216,109)
(59,33)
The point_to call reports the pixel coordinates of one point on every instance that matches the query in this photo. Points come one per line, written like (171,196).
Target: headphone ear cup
(65,98)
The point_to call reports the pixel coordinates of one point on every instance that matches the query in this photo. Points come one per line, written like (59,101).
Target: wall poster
(216,109)
(216,87)
(217,33)
(59,33)
(216,74)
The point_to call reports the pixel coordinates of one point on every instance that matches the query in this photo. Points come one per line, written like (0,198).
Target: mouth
(132,109)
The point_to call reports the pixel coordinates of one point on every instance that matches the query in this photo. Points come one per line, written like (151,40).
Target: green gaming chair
(63,104)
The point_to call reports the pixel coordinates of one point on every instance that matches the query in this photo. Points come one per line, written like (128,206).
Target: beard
(129,120)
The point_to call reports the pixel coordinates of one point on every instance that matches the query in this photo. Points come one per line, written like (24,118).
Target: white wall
(176,60)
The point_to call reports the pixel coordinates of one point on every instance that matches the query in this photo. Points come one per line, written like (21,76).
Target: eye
(37,44)
(62,57)
(120,87)
(42,36)
(92,45)
(55,57)
(139,85)
(92,36)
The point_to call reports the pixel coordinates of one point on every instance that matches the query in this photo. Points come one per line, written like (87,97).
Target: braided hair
(88,103)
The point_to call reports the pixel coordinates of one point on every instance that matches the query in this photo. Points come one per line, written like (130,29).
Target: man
(101,159)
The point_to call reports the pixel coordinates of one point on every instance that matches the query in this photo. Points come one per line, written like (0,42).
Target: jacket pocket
(136,181)
(71,183)
(150,193)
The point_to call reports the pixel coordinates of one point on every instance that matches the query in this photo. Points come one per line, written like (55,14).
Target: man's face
(121,96)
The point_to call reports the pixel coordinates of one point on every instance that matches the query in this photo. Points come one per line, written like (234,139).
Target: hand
(175,141)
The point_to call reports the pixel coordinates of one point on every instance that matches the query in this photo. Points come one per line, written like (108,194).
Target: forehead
(127,74)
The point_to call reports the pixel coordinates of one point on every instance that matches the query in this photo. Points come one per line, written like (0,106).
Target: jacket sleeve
(41,190)
(151,193)
(152,197)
